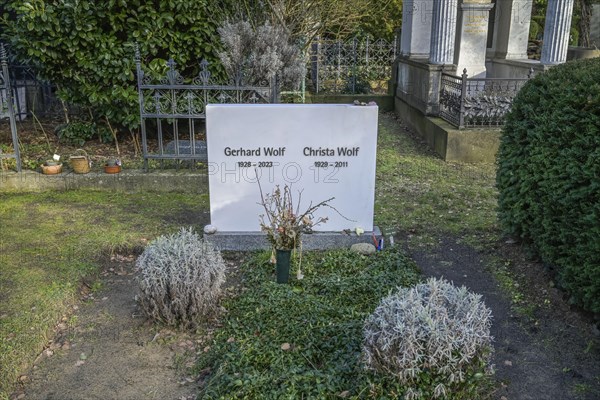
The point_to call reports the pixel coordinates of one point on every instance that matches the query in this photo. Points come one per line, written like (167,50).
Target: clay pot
(51,168)
(112,169)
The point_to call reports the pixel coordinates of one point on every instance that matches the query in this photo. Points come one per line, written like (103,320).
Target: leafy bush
(180,278)
(359,82)
(85,47)
(434,338)
(78,132)
(549,174)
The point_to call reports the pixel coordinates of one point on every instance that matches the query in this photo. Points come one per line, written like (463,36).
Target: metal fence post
(339,65)
(140,79)
(275,89)
(463,93)
(314,64)
(354,65)
(9,104)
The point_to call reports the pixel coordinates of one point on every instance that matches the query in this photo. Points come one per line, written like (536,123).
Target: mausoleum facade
(464,60)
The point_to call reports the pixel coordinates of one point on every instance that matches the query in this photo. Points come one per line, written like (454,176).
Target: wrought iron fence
(33,95)
(7,107)
(164,102)
(477,102)
(37,97)
(358,65)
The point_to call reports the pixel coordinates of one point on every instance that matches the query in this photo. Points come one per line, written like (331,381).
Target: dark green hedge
(549,174)
(85,47)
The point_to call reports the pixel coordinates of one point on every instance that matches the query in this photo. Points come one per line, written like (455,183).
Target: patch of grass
(418,192)
(50,241)
(581,388)
(303,340)
(520,302)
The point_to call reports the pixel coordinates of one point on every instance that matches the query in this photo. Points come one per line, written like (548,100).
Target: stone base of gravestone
(185,148)
(246,241)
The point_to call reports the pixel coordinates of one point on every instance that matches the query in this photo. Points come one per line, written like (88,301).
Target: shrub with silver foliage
(180,276)
(434,337)
(257,55)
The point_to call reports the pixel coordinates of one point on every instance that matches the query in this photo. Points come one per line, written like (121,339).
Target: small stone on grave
(363,248)
(210,229)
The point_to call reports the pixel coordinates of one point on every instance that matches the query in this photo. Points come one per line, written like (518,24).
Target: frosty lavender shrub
(257,55)
(435,338)
(180,276)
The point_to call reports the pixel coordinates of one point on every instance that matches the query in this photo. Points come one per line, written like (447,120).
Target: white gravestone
(322,150)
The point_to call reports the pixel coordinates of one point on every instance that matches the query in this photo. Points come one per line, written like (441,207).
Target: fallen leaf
(345,393)
(285,346)
(231,340)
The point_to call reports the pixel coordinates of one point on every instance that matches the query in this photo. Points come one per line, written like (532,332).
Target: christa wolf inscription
(320,150)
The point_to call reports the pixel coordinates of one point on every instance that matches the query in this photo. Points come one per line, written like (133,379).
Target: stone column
(416,28)
(443,32)
(556,31)
(595,28)
(470,52)
(513,18)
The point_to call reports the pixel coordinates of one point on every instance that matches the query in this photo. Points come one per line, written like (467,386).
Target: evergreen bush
(434,338)
(86,47)
(549,174)
(180,276)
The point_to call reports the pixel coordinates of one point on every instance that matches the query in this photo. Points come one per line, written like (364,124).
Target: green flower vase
(283,265)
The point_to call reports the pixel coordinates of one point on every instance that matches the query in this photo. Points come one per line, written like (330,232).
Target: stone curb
(183,181)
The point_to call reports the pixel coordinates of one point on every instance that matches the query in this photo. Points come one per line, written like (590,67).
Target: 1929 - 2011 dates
(327,164)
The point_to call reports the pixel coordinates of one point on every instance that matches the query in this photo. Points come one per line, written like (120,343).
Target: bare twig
(42,128)
(114,134)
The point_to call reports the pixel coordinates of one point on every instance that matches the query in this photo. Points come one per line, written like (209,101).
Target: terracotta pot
(112,169)
(52,169)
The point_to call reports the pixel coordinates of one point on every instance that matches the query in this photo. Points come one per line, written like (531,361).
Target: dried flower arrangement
(283,222)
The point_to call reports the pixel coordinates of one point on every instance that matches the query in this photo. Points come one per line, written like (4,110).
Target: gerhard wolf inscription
(319,150)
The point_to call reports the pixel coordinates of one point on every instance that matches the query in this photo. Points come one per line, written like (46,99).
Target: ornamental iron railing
(7,107)
(358,65)
(175,108)
(37,97)
(477,102)
(34,96)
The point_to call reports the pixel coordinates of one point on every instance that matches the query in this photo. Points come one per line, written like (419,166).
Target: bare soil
(552,352)
(106,349)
